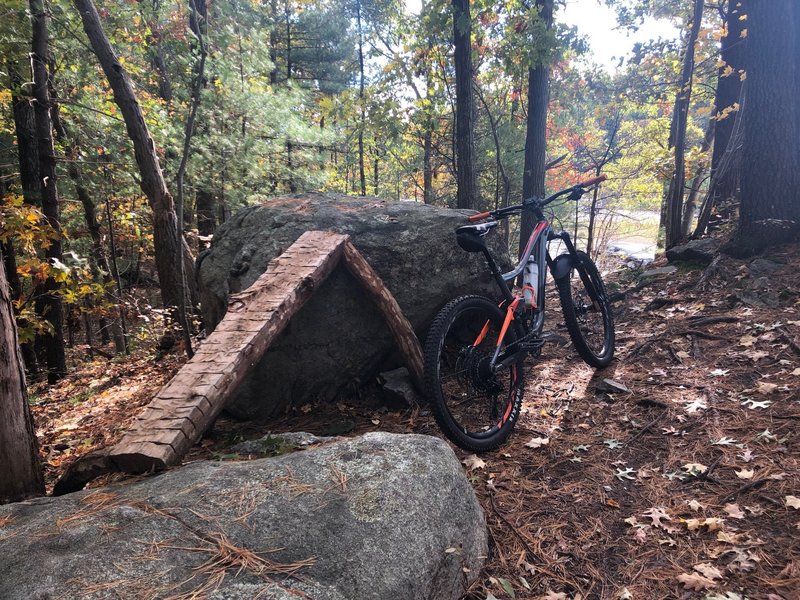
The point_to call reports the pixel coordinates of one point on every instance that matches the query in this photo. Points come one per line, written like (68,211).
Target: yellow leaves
(743,35)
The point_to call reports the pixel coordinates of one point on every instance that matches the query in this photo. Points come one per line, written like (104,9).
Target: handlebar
(593,181)
(575,192)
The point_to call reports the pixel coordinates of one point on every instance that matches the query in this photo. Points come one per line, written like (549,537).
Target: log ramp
(188,404)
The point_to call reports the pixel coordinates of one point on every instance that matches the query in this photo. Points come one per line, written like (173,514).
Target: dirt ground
(687,485)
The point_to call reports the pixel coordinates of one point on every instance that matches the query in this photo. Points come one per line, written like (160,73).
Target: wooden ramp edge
(188,404)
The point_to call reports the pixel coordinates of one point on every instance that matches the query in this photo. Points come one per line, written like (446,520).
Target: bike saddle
(470,237)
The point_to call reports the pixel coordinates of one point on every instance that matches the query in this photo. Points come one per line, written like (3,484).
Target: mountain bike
(476,348)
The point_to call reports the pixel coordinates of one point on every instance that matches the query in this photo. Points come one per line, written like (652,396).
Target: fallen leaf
(727,538)
(739,560)
(551,595)
(734,512)
(745,474)
(708,570)
(766,388)
(757,355)
(747,341)
(793,501)
(695,405)
(753,404)
(712,524)
(719,372)
(695,505)
(747,456)
(724,441)
(796,371)
(693,581)
(640,536)
(657,515)
(694,468)
(625,474)
(537,442)
(472,462)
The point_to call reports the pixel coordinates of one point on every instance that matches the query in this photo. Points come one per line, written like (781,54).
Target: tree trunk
(677,140)
(167,243)
(770,211)
(361,112)
(464,147)
(728,93)
(20,469)
(697,180)
(206,212)
(50,302)
(25,129)
(536,132)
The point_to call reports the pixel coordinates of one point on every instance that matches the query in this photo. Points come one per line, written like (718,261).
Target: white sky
(598,23)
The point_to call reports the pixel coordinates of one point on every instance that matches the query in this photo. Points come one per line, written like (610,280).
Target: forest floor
(687,485)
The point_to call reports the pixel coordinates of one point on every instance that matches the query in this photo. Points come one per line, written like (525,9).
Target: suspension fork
(594,294)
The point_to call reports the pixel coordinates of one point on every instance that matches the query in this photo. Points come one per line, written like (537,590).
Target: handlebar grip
(593,180)
(478,217)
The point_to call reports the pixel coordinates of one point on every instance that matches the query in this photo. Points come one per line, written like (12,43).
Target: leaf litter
(574,529)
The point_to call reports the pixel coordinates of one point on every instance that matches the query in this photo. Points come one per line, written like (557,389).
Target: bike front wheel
(587,312)
(474,383)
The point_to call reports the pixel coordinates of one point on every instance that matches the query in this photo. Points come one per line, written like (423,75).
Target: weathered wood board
(187,405)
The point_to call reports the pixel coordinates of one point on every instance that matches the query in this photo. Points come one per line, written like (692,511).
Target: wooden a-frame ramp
(187,405)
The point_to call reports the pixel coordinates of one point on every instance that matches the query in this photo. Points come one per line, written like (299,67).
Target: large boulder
(381,517)
(339,341)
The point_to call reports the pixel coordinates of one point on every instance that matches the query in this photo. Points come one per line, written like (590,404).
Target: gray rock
(761,267)
(280,443)
(699,251)
(610,386)
(658,272)
(338,340)
(379,517)
(397,386)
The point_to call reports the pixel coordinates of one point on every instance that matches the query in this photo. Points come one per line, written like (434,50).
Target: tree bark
(677,139)
(770,211)
(168,246)
(206,212)
(361,112)
(728,92)
(464,148)
(49,304)
(20,470)
(25,129)
(697,180)
(536,132)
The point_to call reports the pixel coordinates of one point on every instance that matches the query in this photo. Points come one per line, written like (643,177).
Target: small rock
(398,387)
(668,270)
(280,443)
(761,267)
(610,386)
(699,251)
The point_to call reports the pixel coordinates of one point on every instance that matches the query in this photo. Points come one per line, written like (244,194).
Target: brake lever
(576,193)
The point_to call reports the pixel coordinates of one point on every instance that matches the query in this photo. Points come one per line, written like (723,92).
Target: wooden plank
(185,407)
(399,325)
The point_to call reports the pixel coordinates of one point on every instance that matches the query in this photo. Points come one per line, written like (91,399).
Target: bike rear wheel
(587,312)
(475,405)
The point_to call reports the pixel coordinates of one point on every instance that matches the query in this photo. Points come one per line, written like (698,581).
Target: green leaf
(507,587)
